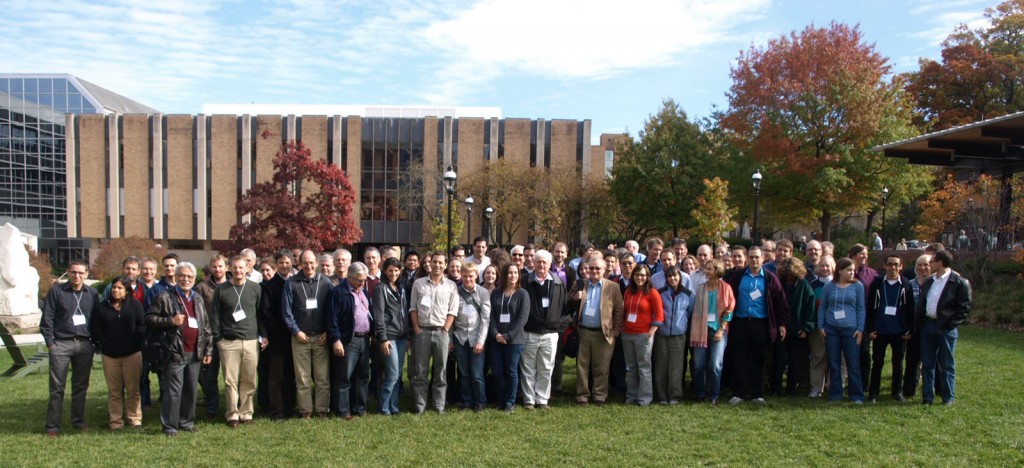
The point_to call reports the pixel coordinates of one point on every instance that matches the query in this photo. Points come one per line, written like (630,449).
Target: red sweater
(646,307)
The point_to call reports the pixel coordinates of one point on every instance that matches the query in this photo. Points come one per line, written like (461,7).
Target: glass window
(4,86)
(46,85)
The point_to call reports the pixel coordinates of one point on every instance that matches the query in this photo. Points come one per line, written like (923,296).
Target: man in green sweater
(238,335)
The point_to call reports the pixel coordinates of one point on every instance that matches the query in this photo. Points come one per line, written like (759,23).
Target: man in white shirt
(479,256)
(947,301)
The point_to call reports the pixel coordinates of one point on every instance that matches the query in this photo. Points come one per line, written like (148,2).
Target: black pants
(281,383)
(209,381)
(865,357)
(749,339)
(899,347)
(798,364)
(912,372)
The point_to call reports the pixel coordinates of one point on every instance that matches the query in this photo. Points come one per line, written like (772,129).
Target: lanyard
(355,294)
(78,302)
(184,308)
(504,303)
(636,306)
(238,292)
(835,298)
(316,293)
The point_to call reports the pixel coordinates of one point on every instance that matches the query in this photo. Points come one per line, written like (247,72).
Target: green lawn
(983,428)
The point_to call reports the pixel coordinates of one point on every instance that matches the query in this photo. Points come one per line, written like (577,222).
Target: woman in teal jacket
(794,354)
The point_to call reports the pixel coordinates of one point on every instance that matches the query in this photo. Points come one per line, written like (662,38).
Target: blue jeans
(707,362)
(937,344)
(471,375)
(505,369)
(841,342)
(350,376)
(393,364)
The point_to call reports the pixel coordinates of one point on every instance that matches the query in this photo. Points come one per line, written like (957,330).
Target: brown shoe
(599,403)
(52,434)
(233,423)
(543,406)
(306,415)
(322,414)
(247,421)
(582,402)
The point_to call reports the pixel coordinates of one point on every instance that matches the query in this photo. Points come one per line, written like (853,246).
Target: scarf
(725,302)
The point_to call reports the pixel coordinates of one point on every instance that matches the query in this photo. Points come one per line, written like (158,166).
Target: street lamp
(488,213)
(449,187)
(885,198)
(756,179)
(469,219)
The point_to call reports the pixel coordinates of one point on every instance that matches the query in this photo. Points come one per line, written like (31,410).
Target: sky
(612,62)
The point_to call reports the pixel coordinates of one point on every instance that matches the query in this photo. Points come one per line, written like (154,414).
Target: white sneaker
(759,401)
(814,394)
(735,400)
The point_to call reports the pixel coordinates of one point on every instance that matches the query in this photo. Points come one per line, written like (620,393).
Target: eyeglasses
(892,264)
(594,268)
(517,255)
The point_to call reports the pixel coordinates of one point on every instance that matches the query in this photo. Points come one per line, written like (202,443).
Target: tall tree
(806,109)
(657,179)
(981,73)
(283,215)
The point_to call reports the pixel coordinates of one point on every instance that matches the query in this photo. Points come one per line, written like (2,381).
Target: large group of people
(303,335)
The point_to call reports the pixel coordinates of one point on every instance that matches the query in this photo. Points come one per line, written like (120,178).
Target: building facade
(33,184)
(177,178)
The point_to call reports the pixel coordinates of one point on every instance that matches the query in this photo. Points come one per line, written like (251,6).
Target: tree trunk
(826,225)
(870,222)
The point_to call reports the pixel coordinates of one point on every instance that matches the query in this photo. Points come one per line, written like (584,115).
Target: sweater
(119,334)
(802,312)
(842,308)
(643,311)
(225,302)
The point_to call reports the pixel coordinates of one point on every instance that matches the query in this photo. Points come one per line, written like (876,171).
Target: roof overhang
(992,146)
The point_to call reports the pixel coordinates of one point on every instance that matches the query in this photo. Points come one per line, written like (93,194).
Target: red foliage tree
(807,108)
(309,204)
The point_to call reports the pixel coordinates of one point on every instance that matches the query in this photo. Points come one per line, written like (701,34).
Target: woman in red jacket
(643,317)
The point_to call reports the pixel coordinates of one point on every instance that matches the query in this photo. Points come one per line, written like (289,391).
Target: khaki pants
(819,364)
(122,376)
(238,359)
(312,358)
(593,361)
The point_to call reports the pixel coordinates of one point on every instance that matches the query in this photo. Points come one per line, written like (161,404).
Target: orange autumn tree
(806,109)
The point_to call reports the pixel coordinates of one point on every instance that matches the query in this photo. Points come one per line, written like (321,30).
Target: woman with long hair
(644,314)
(120,330)
(510,307)
(670,342)
(391,328)
(841,320)
(709,330)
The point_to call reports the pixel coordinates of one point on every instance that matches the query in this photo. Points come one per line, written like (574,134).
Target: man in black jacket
(889,319)
(946,301)
(278,353)
(547,305)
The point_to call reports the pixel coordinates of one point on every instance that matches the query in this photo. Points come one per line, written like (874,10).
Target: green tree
(713,215)
(657,179)
(439,226)
(807,109)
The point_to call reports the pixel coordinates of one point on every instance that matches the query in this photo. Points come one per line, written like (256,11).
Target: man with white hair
(812,253)
(547,305)
(342,259)
(518,258)
(349,324)
(633,247)
(326,267)
(250,260)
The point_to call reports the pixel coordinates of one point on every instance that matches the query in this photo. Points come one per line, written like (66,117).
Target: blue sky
(611,62)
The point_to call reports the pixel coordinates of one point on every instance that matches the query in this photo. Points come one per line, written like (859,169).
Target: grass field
(984,428)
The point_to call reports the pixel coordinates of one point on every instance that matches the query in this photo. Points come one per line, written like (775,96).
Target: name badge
(193,323)
(711,317)
(890,310)
(755,294)
(505,318)
(840,314)
(545,302)
(311,303)
(78,319)
(239,315)
(468,310)
(590,311)
(631,318)
(425,303)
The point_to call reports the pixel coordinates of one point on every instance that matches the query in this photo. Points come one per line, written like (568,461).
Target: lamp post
(756,179)
(449,187)
(488,213)
(469,219)
(885,198)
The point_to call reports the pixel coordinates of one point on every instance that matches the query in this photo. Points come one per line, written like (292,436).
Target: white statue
(19,281)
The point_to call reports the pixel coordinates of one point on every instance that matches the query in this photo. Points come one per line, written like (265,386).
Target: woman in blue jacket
(841,320)
(670,341)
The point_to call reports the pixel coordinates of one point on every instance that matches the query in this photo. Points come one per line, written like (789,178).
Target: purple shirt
(560,272)
(362,311)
